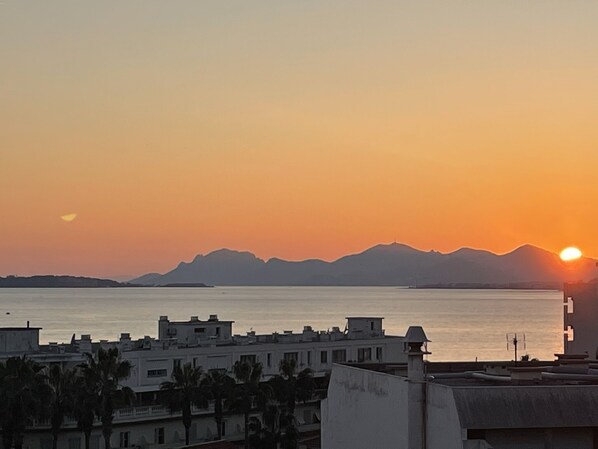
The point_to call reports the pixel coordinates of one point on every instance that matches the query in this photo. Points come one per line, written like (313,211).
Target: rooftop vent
(194,318)
(213,318)
(163,317)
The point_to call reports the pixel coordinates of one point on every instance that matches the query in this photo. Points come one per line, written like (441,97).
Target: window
(339,355)
(176,363)
(248,358)
(372,326)
(223,428)
(291,356)
(309,357)
(159,435)
(45,443)
(323,357)
(269,360)
(364,354)
(217,331)
(124,439)
(94,443)
(200,330)
(74,443)
(379,353)
(157,373)
(194,362)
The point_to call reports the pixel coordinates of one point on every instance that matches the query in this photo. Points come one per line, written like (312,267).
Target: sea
(461,324)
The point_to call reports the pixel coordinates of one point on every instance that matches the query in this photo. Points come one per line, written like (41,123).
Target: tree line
(244,393)
(31,392)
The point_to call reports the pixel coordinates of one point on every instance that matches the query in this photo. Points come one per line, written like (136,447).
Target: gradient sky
(292,129)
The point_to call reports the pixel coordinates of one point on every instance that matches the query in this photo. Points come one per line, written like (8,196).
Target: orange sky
(292,129)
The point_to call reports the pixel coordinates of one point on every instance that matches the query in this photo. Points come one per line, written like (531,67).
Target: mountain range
(383,265)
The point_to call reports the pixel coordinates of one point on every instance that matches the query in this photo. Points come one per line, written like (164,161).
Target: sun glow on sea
(570,253)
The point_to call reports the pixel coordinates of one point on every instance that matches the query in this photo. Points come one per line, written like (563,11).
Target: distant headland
(49,281)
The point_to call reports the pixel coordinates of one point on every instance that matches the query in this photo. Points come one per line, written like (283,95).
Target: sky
(295,129)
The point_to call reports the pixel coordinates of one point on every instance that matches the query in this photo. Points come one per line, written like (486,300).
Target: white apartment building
(209,344)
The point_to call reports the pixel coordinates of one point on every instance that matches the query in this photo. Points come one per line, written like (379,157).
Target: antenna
(514,341)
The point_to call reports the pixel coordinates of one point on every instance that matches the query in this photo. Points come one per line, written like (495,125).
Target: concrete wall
(443,429)
(364,409)
(20,340)
(582,316)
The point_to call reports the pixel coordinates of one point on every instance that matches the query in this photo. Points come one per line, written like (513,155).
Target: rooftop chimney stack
(415,346)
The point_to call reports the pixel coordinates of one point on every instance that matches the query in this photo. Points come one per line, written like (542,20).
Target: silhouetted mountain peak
(384,264)
(390,248)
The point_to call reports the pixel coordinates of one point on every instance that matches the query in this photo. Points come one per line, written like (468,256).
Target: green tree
(85,403)
(183,391)
(24,394)
(248,376)
(106,373)
(220,386)
(290,388)
(62,389)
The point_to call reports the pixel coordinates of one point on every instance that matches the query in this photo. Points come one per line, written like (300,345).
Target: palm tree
(61,382)
(248,377)
(106,373)
(85,403)
(23,393)
(220,386)
(289,389)
(184,391)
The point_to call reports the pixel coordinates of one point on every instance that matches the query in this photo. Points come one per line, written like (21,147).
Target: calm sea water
(462,324)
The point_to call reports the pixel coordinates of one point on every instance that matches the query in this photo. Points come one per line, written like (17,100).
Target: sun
(570,253)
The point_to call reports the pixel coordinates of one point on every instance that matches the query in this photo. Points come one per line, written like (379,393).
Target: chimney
(414,340)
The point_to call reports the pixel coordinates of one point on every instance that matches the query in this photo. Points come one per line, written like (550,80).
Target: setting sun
(570,253)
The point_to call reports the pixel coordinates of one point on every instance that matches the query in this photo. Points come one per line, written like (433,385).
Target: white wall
(443,429)
(364,409)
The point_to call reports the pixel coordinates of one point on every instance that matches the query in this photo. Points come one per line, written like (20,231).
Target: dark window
(124,439)
(200,330)
(309,357)
(364,354)
(159,435)
(372,326)
(323,357)
(291,356)
(176,363)
(217,331)
(379,353)
(223,428)
(248,358)
(269,360)
(157,373)
(339,355)
(95,442)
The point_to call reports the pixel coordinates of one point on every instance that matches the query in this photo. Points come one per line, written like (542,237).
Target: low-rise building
(499,405)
